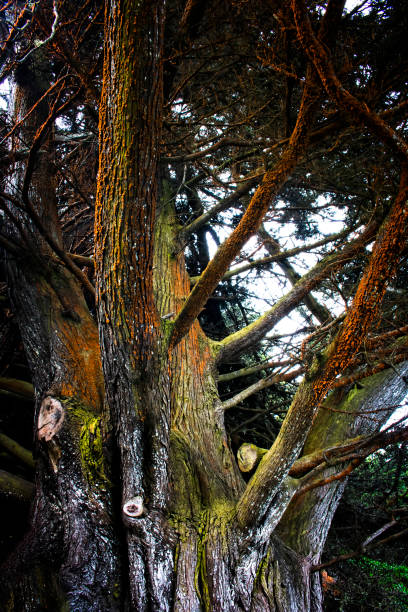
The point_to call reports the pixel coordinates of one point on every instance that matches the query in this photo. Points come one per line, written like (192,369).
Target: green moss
(92,451)
(200,574)
(215,347)
(381,585)
(88,428)
(261,578)
(339,410)
(166,328)
(391,577)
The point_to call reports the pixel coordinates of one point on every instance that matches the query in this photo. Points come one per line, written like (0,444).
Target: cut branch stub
(50,419)
(249,455)
(134,508)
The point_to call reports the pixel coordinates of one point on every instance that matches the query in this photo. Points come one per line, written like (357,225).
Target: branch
(366,444)
(360,375)
(282,255)
(18,451)
(223,142)
(203,219)
(16,487)
(81,260)
(353,462)
(65,257)
(253,333)
(261,201)
(249,455)
(364,547)
(41,43)
(18,387)
(264,383)
(321,313)
(16,156)
(267,365)
(10,246)
(358,111)
(394,333)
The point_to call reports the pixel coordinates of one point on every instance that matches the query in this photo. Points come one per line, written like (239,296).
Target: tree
(231,115)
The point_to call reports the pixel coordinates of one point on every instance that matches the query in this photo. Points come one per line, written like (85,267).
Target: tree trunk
(72,536)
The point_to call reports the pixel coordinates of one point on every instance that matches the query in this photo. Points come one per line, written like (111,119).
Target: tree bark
(71,534)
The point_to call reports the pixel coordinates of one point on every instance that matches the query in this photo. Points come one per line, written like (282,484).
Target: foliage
(369,584)
(376,494)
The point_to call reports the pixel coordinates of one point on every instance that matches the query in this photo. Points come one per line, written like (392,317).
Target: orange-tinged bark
(130,128)
(196,417)
(80,351)
(384,260)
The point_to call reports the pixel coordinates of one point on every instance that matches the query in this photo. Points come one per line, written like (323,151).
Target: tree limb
(223,204)
(282,255)
(19,387)
(16,487)
(263,383)
(359,111)
(18,451)
(253,333)
(322,314)
(267,365)
(364,547)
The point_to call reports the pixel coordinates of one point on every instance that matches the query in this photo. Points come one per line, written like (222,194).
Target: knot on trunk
(50,418)
(249,455)
(134,508)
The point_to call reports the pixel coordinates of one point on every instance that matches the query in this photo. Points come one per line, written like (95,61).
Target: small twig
(41,43)
(362,549)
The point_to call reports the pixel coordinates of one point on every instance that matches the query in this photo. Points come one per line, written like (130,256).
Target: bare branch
(364,547)
(253,333)
(358,111)
(264,383)
(18,451)
(18,387)
(195,225)
(16,487)
(267,365)
(321,313)
(41,43)
(282,255)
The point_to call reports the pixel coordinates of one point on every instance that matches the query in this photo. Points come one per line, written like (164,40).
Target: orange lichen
(130,124)
(382,266)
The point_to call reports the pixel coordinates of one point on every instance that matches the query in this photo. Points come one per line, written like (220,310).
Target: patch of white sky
(5,94)
(265,288)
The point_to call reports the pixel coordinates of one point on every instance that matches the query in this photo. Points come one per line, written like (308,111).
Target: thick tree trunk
(72,538)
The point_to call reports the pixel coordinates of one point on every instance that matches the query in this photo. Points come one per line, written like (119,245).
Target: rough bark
(306,522)
(71,532)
